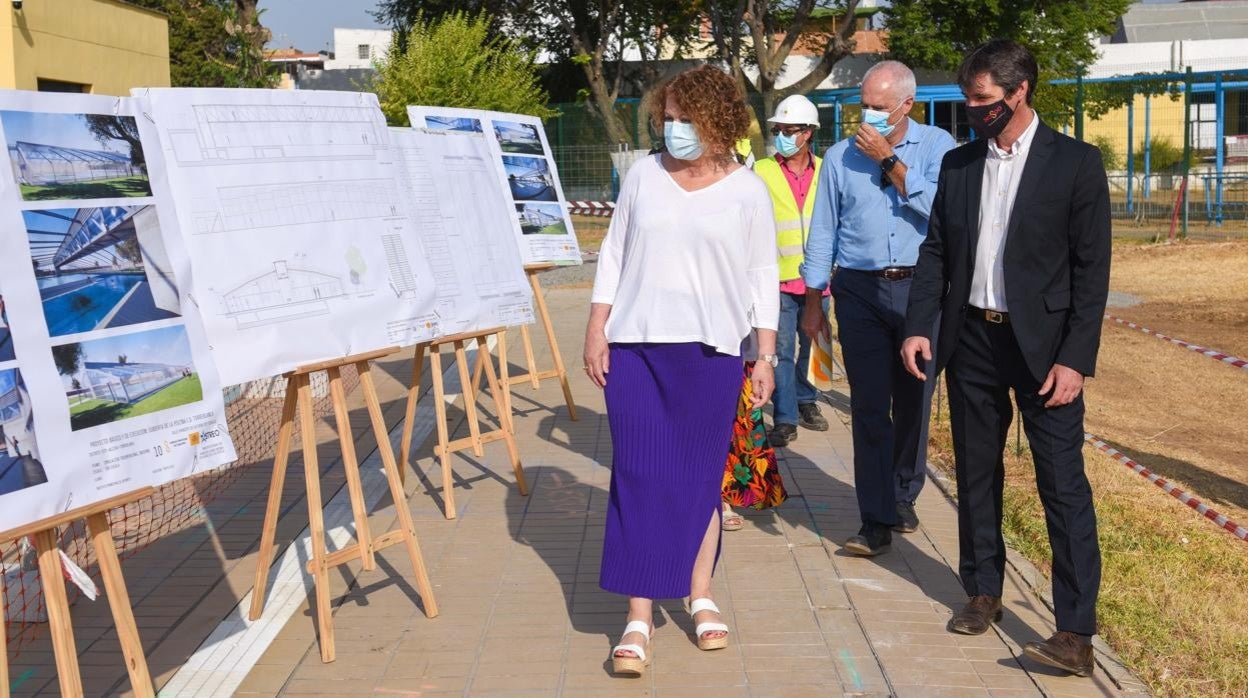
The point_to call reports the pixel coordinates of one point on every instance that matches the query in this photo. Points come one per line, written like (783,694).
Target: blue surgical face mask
(785,144)
(682,140)
(878,120)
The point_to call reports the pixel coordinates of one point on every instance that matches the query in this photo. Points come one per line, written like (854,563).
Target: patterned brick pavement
(521,612)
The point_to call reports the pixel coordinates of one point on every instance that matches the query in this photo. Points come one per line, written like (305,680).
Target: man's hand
(1065,385)
(912,346)
(814,322)
(872,144)
(762,384)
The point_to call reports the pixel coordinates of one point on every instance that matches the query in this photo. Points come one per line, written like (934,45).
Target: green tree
(68,358)
(107,127)
(402,15)
(130,250)
(454,61)
(762,34)
(595,36)
(936,34)
(214,43)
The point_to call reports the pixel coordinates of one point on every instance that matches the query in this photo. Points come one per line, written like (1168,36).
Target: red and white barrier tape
(1200,507)
(1211,353)
(592,208)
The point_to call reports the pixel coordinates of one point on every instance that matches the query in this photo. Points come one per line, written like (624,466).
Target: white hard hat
(796,109)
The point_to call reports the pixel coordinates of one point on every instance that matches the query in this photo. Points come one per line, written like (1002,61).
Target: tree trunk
(604,103)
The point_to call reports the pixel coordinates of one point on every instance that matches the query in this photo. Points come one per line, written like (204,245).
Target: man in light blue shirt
(874,197)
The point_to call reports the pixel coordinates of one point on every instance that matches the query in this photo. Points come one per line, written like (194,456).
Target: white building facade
(358,48)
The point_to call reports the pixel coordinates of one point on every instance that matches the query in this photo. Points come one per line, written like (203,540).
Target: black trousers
(986,365)
(889,407)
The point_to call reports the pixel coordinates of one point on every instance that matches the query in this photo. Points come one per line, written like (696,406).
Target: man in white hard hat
(875,196)
(790,176)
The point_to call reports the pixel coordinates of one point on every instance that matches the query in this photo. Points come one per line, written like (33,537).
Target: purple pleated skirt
(671,409)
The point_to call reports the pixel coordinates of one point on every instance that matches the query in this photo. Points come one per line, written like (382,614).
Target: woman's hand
(762,384)
(597,356)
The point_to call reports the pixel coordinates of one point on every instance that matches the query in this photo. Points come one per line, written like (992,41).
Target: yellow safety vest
(792,227)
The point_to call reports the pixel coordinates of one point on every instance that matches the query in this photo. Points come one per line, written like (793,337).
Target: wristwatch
(770,359)
(888,163)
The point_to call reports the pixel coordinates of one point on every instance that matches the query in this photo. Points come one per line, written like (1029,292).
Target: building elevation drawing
(296,224)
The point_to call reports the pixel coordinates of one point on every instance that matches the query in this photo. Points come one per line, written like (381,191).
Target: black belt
(991,316)
(893,273)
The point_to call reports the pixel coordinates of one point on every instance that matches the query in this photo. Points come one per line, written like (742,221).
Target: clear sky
(167,345)
(308,25)
(65,130)
(8,379)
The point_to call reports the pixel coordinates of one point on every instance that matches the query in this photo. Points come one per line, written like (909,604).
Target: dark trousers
(889,407)
(986,365)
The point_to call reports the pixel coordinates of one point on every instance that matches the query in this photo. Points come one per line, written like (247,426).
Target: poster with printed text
(106,383)
(526,167)
(302,245)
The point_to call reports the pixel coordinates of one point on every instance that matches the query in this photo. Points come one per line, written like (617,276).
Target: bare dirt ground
(1175,411)
(1195,291)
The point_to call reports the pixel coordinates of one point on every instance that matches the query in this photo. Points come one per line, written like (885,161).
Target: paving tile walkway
(522,614)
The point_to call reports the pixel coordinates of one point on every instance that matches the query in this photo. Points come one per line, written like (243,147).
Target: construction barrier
(1174,491)
(1205,351)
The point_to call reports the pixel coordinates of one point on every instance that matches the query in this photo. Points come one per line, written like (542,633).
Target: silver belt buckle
(994,317)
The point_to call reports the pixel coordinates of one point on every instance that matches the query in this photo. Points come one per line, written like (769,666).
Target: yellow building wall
(108,45)
(1166,121)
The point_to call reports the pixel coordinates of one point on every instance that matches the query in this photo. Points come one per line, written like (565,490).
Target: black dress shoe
(1066,651)
(782,435)
(907,519)
(809,417)
(977,615)
(872,539)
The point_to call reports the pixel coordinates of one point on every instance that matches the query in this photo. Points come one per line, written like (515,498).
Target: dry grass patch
(590,230)
(1173,602)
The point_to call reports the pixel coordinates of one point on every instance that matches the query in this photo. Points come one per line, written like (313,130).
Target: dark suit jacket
(1057,253)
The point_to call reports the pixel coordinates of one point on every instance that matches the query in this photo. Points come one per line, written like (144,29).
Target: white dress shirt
(1002,172)
(689,266)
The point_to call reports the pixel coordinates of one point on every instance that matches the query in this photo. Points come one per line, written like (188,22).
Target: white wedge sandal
(632,666)
(708,643)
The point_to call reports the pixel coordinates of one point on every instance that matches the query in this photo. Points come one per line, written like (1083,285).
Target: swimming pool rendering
(100,268)
(85,302)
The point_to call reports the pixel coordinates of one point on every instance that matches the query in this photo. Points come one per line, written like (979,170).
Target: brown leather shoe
(1066,651)
(977,615)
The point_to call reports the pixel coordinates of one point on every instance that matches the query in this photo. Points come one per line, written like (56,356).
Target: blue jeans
(793,350)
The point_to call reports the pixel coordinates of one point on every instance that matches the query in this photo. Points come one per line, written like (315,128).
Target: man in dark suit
(1016,261)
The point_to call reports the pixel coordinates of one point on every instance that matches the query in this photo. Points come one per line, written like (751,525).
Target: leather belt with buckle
(894,273)
(995,317)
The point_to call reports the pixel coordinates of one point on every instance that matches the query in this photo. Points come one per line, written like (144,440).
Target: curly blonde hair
(709,98)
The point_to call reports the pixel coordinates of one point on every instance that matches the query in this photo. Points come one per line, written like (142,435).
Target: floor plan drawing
(402,278)
(465,228)
(280,295)
(258,132)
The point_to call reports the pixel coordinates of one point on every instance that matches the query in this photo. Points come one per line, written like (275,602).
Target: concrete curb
(1106,658)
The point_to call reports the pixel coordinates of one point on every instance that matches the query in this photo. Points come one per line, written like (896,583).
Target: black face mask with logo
(989,120)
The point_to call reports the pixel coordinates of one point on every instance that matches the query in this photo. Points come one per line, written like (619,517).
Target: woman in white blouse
(687,270)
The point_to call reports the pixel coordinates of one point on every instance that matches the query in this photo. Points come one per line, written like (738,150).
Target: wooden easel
(57,601)
(476,440)
(299,398)
(535,376)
